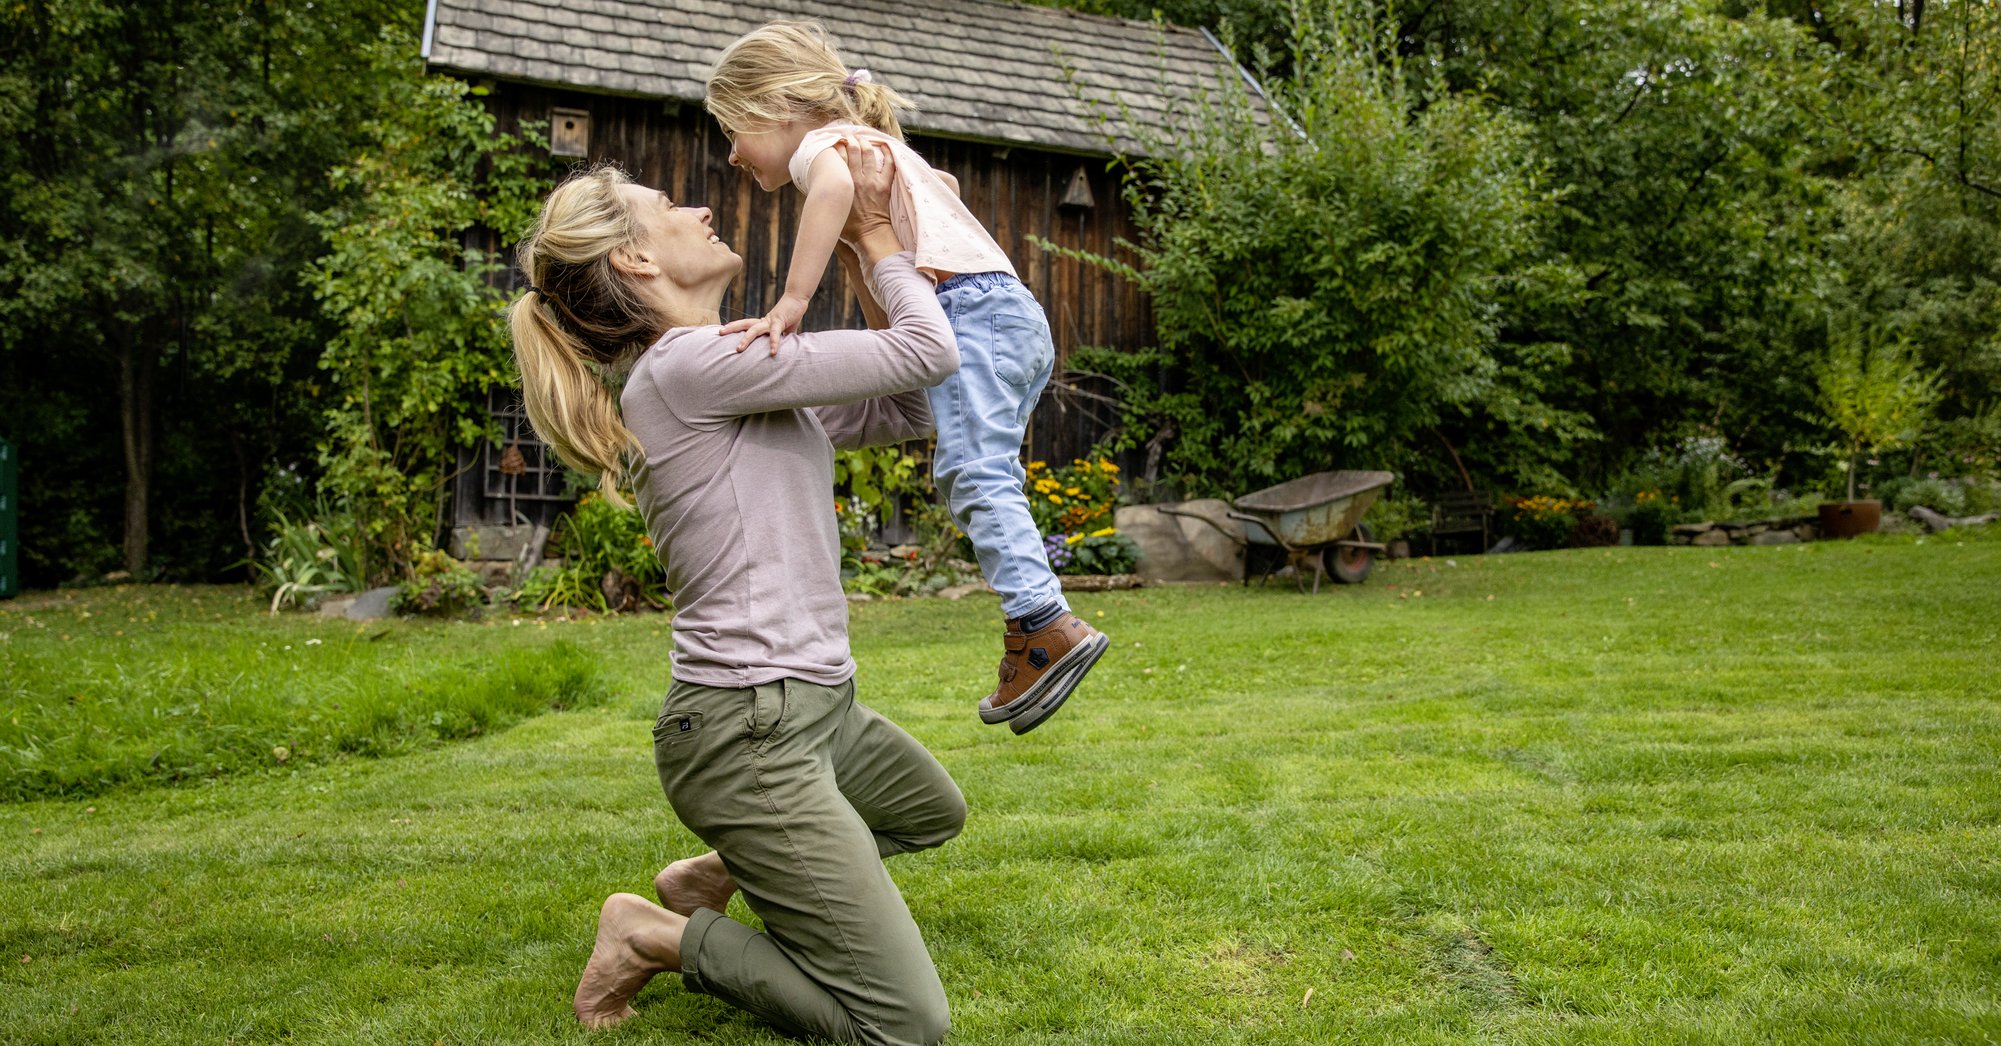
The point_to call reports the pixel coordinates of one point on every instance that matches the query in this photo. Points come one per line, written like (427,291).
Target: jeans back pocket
(1022,349)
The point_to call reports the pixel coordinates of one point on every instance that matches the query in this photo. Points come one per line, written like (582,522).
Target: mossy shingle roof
(977,69)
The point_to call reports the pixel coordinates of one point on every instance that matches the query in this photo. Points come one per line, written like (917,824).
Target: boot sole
(1041,701)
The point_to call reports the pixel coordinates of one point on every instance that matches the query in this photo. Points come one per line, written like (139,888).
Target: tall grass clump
(124,723)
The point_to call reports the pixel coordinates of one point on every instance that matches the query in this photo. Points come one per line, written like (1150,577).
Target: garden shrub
(1940,495)
(1082,495)
(310,558)
(1103,551)
(1389,519)
(1980,496)
(1595,531)
(1545,522)
(438,584)
(598,539)
(1328,287)
(1653,514)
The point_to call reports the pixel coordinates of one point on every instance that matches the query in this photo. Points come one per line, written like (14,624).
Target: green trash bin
(10,522)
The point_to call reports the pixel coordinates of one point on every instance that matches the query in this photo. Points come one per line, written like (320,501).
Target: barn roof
(978,69)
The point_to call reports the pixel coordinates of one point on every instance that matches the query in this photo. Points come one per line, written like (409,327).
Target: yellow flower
(1056,499)
(1074,538)
(1072,491)
(1105,533)
(1107,466)
(1037,466)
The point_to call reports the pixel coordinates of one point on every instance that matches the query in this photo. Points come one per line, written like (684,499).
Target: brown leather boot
(1039,670)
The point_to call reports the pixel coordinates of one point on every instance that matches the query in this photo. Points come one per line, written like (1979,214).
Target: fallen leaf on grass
(1306,999)
(1347,955)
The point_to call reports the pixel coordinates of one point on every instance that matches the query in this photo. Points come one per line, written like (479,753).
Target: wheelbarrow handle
(1220,529)
(1266,524)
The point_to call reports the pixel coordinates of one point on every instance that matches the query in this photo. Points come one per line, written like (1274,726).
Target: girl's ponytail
(876,105)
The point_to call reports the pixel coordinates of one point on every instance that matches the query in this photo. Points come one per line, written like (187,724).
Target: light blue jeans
(1005,358)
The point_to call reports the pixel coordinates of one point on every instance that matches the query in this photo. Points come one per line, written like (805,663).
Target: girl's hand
(783,319)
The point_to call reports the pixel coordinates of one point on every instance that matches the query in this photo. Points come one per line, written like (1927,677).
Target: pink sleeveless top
(928,217)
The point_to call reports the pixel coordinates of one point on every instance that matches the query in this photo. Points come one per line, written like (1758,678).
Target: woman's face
(679,239)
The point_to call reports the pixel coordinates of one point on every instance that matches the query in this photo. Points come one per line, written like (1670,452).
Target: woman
(761,746)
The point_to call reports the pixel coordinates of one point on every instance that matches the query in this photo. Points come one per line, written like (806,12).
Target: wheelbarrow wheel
(1350,566)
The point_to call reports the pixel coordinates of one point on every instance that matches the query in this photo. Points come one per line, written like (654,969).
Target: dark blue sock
(1039,618)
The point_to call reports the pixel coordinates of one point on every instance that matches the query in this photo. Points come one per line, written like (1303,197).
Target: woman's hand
(868,226)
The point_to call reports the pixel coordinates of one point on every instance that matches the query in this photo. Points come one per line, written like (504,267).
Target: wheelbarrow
(1317,521)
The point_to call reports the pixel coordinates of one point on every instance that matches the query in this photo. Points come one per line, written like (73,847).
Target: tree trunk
(136,360)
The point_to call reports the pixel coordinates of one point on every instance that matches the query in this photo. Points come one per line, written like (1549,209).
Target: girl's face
(767,153)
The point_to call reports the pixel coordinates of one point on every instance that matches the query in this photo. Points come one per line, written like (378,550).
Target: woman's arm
(915,351)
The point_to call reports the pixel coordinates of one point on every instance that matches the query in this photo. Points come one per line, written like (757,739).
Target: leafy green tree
(245,218)
(1876,394)
(1327,286)
(1688,207)
(1906,107)
(159,160)
(420,331)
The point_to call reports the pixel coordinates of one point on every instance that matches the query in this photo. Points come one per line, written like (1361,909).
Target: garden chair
(1461,512)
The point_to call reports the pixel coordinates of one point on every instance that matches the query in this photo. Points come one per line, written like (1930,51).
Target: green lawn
(1629,795)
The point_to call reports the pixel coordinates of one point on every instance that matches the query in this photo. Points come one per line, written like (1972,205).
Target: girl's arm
(820,220)
(865,386)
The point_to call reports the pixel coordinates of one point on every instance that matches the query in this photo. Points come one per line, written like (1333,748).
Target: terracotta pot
(1845,519)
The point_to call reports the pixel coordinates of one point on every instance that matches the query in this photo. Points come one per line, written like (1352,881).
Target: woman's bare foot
(695,882)
(636,940)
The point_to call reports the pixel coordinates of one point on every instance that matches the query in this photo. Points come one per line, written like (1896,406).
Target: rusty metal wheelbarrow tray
(1311,515)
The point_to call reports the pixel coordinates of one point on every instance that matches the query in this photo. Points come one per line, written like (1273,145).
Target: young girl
(786,100)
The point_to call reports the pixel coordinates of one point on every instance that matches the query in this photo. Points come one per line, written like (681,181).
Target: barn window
(521,467)
(569,132)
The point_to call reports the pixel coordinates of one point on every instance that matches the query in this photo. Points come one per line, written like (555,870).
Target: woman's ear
(633,262)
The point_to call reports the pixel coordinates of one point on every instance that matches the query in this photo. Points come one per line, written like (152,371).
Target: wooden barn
(1022,104)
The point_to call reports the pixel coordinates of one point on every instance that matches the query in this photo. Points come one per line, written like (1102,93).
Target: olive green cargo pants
(803,791)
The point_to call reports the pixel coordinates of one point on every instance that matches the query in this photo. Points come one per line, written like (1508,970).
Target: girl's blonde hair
(790,71)
(580,324)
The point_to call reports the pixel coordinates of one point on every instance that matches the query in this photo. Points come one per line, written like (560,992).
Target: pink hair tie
(859,76)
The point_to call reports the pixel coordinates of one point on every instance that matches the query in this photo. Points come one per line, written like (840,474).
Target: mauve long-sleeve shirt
(737,476)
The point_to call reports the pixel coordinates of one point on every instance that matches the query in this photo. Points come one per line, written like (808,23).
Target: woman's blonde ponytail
(580,325)
(567,403)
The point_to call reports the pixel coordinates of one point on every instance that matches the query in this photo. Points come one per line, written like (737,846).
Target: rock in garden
(1711,538)
(1185,541)
(1776,537)
(336,606)
(371,605)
